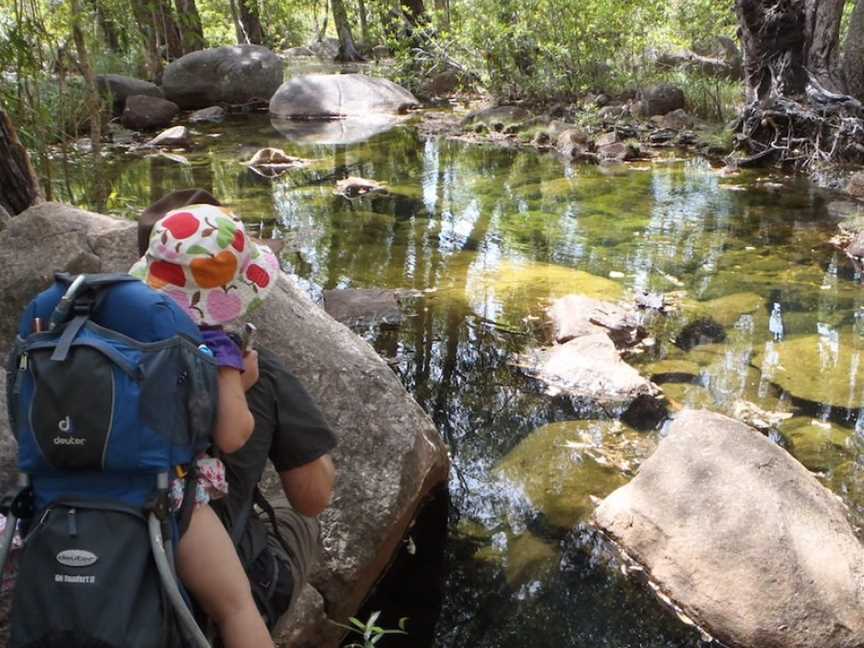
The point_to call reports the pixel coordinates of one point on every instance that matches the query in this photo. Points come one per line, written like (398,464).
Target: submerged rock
(364,307)
(742,537)
(676,371)
(589,368)
(703,330)
(821,369)
(143,112)
(819,445)
(618,152)
(728,309)
(273,162)
(561,466)
(324,96)
(523,557)
(237,74)
(576,315)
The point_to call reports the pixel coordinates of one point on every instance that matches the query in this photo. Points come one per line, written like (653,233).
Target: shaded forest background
(539,51)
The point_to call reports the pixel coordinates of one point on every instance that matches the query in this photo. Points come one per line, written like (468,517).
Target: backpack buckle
(20,504)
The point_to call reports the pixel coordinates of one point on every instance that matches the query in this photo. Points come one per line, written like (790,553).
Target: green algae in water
(819,445)
(827,369)
(523,558)
(727,310)
(561,465)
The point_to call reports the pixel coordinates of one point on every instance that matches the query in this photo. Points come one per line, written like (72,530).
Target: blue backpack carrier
(111,393)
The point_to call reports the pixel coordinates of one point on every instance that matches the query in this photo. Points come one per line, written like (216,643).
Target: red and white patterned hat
(201,256)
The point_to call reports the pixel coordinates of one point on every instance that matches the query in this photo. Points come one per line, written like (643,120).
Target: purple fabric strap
(227,353)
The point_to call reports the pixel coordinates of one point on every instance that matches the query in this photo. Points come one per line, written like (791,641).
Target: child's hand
(250,370)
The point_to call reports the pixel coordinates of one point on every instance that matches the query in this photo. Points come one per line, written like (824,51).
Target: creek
(485,238)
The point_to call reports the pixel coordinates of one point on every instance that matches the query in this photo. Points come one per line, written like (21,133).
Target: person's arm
(234,423)
(309,487)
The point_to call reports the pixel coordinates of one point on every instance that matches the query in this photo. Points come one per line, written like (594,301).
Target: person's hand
(250,370)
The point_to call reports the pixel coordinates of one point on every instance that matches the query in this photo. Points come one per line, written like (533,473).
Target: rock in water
(232,75)
(352,187)
(742,537)
(363,307)
(589,368)
(175,136)
(118,87)
(214,114)
(576,315)
(325,96)
(144,112)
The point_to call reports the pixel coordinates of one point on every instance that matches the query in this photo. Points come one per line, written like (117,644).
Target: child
(201,257)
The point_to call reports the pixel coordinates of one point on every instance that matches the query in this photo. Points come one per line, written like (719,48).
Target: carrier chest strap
(70,332)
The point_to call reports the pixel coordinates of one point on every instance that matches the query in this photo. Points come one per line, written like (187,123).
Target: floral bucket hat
(201,256)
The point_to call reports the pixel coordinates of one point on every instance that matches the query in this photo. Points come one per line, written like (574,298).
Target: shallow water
(486,237)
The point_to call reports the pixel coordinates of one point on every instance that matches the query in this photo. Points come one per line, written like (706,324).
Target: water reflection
(487,237)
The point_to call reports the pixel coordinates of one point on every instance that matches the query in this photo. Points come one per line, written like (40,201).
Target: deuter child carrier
(110,392)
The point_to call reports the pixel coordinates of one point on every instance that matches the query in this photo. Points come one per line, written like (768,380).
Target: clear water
(486,237)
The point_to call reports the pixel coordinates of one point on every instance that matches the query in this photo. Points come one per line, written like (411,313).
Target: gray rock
(175,136)
(855,186)
(144,112)
(294,52)
(607,138)
(238,74)
(497,117)
(326,49)
(573,143)
(611,113)
(576,315)
(339,95)
(742,537)
(4,218)
(443,84)
(618,152)
(589,368)
(116,88)
(675,120)
(390,456)
(363,307)
(661,99)
(210,114)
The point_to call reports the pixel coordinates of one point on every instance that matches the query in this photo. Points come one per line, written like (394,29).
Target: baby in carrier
(200,256)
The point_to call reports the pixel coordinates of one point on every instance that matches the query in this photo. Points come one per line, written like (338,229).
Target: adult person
(277,540)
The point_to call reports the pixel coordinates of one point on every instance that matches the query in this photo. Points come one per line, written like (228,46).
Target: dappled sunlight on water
(487,238)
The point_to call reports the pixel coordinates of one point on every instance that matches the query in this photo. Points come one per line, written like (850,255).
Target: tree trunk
(153,56)
(822,47)
(796,111)
(364,21)
(414,11)
(19,187)
(250,20)
(107,27)
(442,13)
(772,33)
(191,29)
(94,102)
(347,50)
(853,56)
(166,24)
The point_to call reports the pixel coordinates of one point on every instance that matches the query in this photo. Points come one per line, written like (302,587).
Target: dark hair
(174,200)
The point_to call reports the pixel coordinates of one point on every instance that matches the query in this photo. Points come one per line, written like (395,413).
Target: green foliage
(370,633)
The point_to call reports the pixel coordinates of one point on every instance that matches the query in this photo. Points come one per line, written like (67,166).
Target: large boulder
(577,315)
(238,74)
(324,96)
(143,112)
(742,538)
(661,99)
(117,88)
(389,456)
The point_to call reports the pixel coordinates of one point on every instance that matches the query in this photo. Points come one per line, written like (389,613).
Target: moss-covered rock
(819,445)
(817,369)
(726,310)
(561,465)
